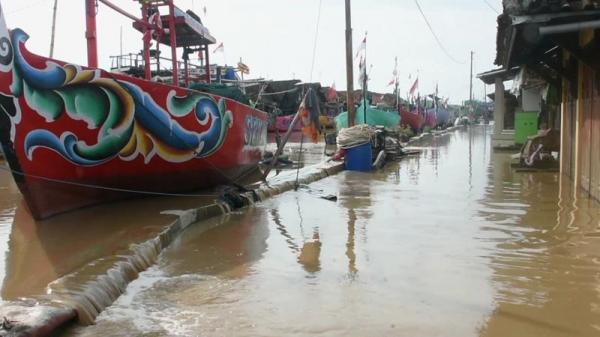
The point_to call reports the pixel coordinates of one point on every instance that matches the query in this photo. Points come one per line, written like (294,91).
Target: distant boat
(414,118)
(75,136)
(389,119)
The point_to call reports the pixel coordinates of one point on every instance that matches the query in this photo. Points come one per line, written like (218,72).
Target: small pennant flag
(219,48)
(361,48)
(392,82)
(414,87)
(332,93)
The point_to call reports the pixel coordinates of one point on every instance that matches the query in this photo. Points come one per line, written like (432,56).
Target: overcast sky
(276,38)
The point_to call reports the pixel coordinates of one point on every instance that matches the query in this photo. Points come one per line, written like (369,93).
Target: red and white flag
(155,27)
(220,48)
(361,48)
(414,87)
(331,93)
(392,82)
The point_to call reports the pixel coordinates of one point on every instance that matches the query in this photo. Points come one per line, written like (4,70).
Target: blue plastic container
(359,158)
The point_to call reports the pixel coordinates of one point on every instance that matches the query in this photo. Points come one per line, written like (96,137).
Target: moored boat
(414,118)
(75,136)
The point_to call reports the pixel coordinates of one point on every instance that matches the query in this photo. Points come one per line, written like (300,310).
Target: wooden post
(90,34)
(285,138)
(349,67)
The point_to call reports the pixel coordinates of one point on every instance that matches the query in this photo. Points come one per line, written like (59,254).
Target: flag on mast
(362,47)
(362,65)
(331,93)
(395,73)
(414,87)
(220,48)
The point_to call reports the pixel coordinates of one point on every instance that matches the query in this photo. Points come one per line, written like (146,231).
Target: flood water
(451,242)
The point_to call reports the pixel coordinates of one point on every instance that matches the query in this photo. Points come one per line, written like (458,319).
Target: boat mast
(471,82)
(349,65)
(53,29)
(365,89)
(90,34)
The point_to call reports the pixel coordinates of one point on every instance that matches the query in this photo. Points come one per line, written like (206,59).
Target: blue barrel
(359,158)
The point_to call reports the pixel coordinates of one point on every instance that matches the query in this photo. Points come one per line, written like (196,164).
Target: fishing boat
(75,136)
(413,118)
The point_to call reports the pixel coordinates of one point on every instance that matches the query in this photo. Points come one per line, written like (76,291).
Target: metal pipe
(569,27)
(145,28)
(207,65)
(121,11)
(173,42)
(186,70)
(53,28)
(90,33)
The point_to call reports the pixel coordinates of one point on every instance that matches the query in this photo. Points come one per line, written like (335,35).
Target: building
(559,42)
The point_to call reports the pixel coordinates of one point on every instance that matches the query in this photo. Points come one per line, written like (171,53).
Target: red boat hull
(75,136)
(414,119)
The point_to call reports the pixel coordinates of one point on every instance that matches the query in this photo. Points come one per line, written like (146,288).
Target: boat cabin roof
(188,27)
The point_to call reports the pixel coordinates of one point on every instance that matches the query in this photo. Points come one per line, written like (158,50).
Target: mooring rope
(100,187)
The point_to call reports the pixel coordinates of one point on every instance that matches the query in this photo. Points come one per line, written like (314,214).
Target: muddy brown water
(448,243)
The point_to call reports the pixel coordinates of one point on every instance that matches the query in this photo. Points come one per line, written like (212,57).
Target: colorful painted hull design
(415,119)
(75,136)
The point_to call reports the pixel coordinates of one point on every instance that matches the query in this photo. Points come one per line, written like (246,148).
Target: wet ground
(448,243)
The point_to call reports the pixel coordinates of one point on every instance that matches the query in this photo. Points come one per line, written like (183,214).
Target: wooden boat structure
(76,136)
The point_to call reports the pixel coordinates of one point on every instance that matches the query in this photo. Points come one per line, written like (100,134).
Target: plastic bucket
(359,158)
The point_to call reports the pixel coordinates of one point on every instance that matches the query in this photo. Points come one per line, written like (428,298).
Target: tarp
(222,90)
(389,119)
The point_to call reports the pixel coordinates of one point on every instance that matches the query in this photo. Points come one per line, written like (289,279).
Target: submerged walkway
(449,243)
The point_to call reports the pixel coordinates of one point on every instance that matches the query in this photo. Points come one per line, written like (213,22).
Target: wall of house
(580,148)
(589,139)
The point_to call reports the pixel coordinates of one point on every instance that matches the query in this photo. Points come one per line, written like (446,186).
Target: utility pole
(471,81)
(349,67)
(53,29)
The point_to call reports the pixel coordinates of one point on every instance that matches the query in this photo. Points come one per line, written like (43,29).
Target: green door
(526,124)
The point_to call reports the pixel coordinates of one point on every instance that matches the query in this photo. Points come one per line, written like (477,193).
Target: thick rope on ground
(355,136)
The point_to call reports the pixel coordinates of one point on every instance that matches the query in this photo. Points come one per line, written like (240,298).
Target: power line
(491,7)
(437,39)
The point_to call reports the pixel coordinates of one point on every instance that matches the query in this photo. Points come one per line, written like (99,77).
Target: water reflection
(223,246)
(308,252)
(448,243)
(355,198)
(40,252)
(545,255)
